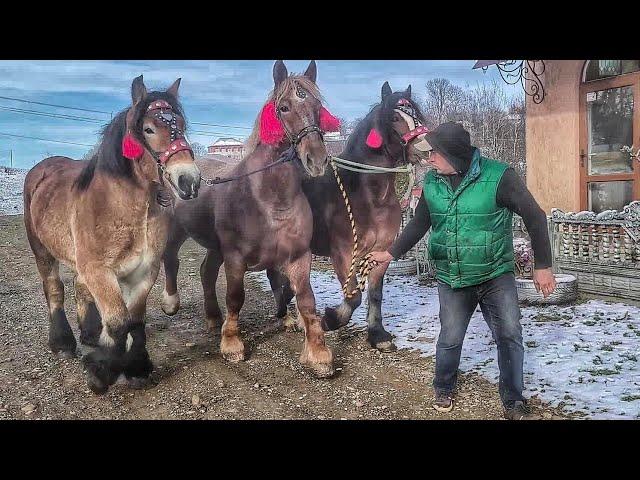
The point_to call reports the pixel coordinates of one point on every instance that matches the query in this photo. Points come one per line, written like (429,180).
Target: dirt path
(193,381)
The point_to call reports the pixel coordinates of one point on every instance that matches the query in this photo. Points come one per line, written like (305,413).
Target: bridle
(288,155)
(296,139)
(163,111)
(407,111)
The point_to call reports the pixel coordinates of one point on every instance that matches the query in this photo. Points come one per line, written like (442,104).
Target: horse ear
(279,72)
(173,89)
(386,90)
(408,91)
(138,90)
(312,71)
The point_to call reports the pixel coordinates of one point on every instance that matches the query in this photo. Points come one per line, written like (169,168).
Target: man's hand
(380,258)
(544,281)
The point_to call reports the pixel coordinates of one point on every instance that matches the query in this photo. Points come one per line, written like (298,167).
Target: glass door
(610,141)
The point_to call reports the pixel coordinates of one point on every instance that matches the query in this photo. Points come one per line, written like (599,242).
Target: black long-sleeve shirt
(512,194)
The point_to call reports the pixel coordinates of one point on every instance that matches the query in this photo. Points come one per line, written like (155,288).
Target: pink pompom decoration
(271,131)
(374,139)
(328,123)
(131,148)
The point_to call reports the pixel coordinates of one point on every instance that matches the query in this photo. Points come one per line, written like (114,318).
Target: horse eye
(148,130)
(284,108)
(396,118)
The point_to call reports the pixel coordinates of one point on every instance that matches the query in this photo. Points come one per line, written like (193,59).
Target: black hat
(452,141)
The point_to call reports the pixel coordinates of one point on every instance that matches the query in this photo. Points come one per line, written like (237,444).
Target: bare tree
(199,150)
(444,102)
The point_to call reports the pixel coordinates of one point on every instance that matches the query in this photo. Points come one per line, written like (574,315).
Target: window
(599,69)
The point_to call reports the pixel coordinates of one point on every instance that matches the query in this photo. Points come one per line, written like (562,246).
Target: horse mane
(380,114)
(108,157)
(277,94)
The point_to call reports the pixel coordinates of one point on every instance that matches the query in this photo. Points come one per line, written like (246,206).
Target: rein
(288,155)
(364,266)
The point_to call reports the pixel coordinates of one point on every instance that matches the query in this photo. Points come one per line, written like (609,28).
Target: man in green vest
(467,202)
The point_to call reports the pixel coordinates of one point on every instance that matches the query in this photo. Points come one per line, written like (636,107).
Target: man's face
(437,161)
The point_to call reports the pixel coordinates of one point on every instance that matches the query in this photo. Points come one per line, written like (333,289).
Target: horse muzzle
(185,180)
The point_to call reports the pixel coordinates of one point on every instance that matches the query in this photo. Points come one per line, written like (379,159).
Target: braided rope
(364,266)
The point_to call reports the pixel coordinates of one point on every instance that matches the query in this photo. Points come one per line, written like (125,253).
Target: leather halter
(163,111)
(405,106)
(295,140)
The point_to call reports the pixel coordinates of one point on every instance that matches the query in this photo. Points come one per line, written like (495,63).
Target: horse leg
(315,354)
(282,294)
(104,364)
(61,338)
(377,336)
(209,276)
(88,316)
(137,365)
(170,296)
(231,346)
(335,318)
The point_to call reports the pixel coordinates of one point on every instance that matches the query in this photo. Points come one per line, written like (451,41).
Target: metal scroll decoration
(527,72)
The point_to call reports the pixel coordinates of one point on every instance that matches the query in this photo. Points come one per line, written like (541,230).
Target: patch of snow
(581,358)
(11,186)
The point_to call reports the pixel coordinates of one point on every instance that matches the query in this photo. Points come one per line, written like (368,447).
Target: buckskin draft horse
(105,219)
(391,134)
(259,218)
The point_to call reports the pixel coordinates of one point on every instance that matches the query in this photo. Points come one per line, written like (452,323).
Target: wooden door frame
(625,80)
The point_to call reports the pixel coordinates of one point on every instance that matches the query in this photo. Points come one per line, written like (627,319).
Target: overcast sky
(215,92)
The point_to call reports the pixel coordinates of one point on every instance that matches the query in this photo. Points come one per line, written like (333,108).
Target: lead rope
(364,266)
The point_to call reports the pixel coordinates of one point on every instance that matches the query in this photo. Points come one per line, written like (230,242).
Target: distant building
(227,147)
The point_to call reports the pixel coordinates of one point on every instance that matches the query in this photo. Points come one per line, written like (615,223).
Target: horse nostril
(184,184)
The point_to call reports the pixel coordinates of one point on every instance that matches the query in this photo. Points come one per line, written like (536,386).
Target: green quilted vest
(471,237)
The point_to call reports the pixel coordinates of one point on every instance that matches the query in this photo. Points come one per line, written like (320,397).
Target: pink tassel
(131,149)
(374,139)
(271,131)
(328,123)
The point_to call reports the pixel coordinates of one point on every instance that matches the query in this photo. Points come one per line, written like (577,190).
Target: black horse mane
(381,114)
(108,156)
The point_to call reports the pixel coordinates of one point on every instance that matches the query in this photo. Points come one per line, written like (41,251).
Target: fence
(601,250)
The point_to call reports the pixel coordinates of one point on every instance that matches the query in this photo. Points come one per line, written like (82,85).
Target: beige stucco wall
(553,138)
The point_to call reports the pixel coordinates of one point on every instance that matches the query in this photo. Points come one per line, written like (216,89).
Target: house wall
(553,138)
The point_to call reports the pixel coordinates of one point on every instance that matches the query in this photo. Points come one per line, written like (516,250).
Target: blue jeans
(498,299)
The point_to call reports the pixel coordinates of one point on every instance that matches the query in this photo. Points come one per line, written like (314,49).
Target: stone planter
(402,267)
(566,291)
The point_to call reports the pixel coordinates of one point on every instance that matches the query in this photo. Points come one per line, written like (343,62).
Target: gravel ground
(192,381)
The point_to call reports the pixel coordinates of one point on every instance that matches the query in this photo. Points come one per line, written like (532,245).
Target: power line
(44,139)
(53,105)
(90,120)
(218,125)
(52,115)
(111,113)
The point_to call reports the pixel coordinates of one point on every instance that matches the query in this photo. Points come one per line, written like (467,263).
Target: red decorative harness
(163,111)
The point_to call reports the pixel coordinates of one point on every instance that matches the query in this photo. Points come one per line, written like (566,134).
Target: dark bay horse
(261,221)
(105,219)
(388,136)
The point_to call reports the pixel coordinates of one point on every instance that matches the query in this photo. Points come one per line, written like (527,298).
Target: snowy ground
(11,185)
(582,358)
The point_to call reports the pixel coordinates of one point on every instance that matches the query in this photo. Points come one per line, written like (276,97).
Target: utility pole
(11,157)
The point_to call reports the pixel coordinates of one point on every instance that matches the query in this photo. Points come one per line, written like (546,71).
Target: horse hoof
(99,371)
(97,385)
(329,321)
(233,357)
(386,346)
(322,370)
(138,383)
(65,354)
(290,324)
(170,303)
